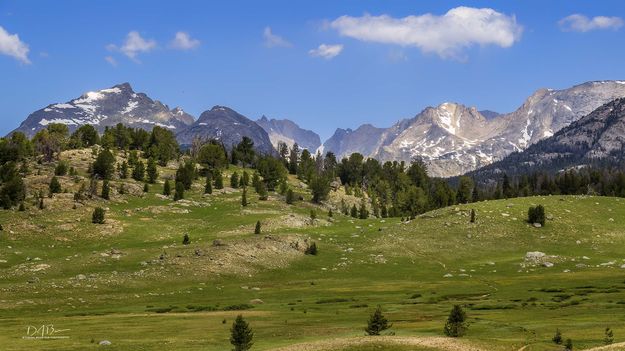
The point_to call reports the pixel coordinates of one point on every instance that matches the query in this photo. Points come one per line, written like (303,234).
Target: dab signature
(44,331)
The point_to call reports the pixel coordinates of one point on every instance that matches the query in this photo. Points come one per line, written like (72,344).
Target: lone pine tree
(241,335)
(377,322)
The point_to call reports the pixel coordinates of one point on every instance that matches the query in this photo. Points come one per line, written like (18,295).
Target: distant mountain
(286,131)
(228,126)
(488,114)
(453,139)
(107,107)
(598,137)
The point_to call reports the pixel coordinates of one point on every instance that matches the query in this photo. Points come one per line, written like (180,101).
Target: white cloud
(11,45)
(327,51)
(183,41)
(134,45)
(445,35)
(581,23)
(273,40)
(111,60)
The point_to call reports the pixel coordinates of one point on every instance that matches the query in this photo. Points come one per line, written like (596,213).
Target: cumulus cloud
(581,23)
(134,45)
(445,35)
(327,51)
(183,41)
(11,45)
(272,40)
(111,60)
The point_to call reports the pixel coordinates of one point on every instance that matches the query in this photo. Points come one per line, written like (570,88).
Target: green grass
(404,268)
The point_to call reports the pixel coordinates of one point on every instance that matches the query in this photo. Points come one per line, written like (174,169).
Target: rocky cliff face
(289,132)
(228,126)
(453,139)
(107,107)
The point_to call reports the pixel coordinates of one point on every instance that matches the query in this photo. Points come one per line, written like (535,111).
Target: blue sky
(376,65)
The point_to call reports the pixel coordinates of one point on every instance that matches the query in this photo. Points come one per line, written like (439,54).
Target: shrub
(55,186)
(472,216)
(456,324)
(354,212)
(186,240)
(234,180)
(313,214)
(219,180)
(568,345)
(262,191)
(290,197)
(377,323)
(106,190)
(167,188)
(61,168)
(244,197)
(146,188)
(311,249)
(22,208)
(330,213)
(257,228)
(536,215)
(98,216)
(208,187)
(179,194)
(609,336)
(557,337)
(152,171)
(241,335)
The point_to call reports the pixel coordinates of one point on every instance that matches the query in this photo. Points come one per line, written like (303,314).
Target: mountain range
(451,138)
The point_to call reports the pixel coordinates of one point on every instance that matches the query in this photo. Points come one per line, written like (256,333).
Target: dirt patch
(440,343)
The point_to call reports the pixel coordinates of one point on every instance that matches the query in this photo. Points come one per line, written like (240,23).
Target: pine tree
(354,212)
(256,182)
(138,173)
(472,216)
(179,194)
(283,187)
(186,240)
(257,228)
(244,197)
(106,190)
(568,345)
(245,179)
(234,180)
(313,214)
(557,337)
(123,170)
(55,186)
(311,249)
(377,323)
(167,188)
(219,181)
(241,335)
(456,322)
(146,188)
(152,171)
(363,213)
(262,191)
(98,216)
(609,336)
(22,208)
(290,197)
(208,187)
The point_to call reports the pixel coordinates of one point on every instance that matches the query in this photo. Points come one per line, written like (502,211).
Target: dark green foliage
(313,214)
(557,337)
(568,345)
(167,188)
(290,197)
(262,192)
(152,171)
(608,338)
(245,179)
(363,213)
(186,173)
(244,151)
(179,194)
(42,204)
(330,213)
(257,228)
(12,188)
(104,165)
(219,180)
(472,216)
(456,324)
(320,188)
(377,323)
(146,188)
(311,249)
(284,186)
(161,145)
(50,141)
(212,156)
(55,186)
(98,216)
(186,240)
(123,170)
(234,180)
(106,190)
(15,148)
(22,208)
(465,190)
(244,197)
(536,214)
(84,136)
(272,171)
(138,173)
(354,212)
(256,181)
(208,187)
(61,168)
(241,335)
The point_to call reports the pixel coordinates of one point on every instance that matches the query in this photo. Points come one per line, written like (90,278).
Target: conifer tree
(208,187)
(55,186)
(257,228)
(608,336)
(456,322)
(167,188)
(179,194)
(152,171)
(245,179)
(234,180)
(106,189)
(146,188)
(186,240)
(311,249)
(557,337)
(219,181)
(98,216)
(377,323)
(244,197)
(138,173)
(241,335)
(123,170)
(354,212)
(363,213)
(568,345)
(290,197)
(256,182)
(262,191)
(472,216)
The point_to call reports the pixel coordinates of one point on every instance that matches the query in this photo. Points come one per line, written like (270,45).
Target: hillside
(95,280)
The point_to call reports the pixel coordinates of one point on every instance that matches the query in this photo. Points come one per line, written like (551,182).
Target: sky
(324,64)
